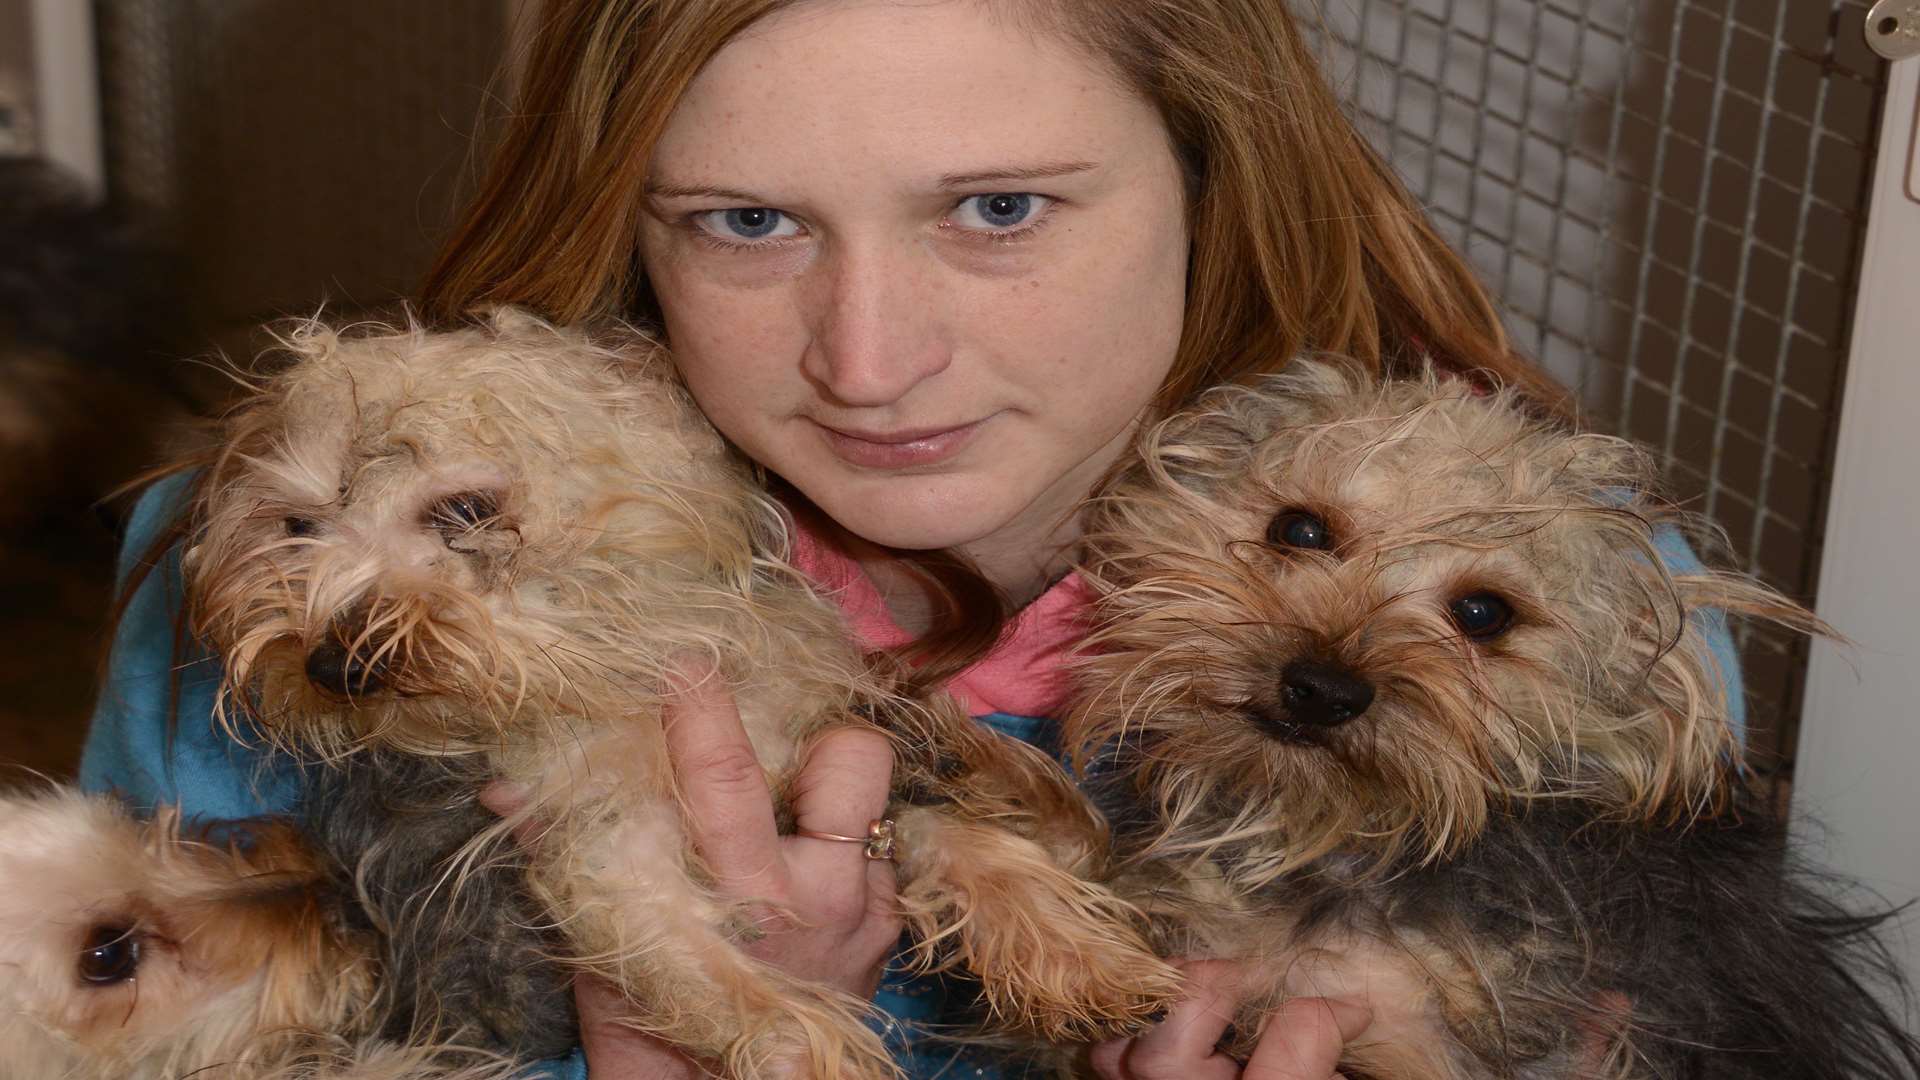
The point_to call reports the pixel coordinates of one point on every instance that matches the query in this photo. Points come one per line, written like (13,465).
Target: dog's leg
(1056,956)
(996,849)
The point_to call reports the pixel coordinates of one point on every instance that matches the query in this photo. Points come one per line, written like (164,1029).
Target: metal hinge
(1893,28)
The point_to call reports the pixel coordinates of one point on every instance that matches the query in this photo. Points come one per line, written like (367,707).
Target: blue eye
(1481,616)
(1299,529)
(1000,210)
(748,223)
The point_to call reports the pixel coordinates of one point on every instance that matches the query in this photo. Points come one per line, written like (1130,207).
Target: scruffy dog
(499,544)
(135,950)
(1398,699)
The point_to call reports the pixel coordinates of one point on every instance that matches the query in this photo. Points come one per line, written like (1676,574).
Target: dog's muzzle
(334,669)
(1315,694)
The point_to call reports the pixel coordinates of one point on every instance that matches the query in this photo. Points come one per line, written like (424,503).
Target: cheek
(721,332)
(740,364)
(1099,330)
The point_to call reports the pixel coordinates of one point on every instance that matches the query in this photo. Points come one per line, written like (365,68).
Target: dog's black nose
(1322,695)
(333,669)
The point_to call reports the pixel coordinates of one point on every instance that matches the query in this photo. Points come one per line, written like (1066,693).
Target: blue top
(134,751)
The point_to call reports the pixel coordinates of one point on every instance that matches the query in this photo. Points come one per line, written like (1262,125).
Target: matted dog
(136,950)
(501,543)
(1399,699)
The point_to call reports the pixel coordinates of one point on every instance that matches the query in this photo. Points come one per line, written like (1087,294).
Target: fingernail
(1350,1017)
(503,797)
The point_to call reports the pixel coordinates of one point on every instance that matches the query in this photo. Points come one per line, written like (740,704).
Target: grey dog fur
(474,963)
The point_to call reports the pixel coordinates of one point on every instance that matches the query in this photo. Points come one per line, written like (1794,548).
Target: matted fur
(503,541)
(1532,852)
(1604,689)
(242,967)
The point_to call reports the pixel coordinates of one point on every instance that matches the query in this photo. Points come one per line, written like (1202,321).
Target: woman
(930,264)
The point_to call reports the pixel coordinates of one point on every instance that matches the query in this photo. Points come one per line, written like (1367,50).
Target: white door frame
(66,89)
(1857,776)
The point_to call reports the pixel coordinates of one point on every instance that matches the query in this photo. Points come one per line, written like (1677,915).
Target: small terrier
(1395,696)
(499,544)
(133,950)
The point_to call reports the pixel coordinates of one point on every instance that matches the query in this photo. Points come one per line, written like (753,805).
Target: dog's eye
(111,955)
(1481,616)
(301,526)
(1299,529)
(467,510)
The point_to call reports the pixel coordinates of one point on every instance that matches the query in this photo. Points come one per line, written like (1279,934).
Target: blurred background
(1668,196)
(177,172)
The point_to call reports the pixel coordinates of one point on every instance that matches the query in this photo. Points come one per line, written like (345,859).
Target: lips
(899,449)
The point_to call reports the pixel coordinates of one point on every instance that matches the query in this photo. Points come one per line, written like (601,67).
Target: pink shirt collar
(1025,675)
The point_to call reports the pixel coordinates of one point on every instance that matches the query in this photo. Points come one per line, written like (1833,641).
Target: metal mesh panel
(1668,197)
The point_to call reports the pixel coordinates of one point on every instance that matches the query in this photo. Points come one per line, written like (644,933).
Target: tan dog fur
(232,966)
(1266,832)
(524,531)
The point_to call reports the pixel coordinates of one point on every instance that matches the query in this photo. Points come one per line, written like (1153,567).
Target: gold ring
(879,838)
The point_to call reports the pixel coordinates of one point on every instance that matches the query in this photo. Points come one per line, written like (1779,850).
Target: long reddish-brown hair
(1302,238)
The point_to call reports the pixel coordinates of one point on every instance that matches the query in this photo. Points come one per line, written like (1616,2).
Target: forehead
(830,92)
(362,384)
(61,860)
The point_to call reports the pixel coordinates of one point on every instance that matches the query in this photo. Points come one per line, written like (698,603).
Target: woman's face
(923,264)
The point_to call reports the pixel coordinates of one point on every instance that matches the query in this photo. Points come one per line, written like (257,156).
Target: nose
(350,674)
(874,326)
(1322,695)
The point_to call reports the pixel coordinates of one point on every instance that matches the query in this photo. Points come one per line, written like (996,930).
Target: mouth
(901,448)
(1274,724)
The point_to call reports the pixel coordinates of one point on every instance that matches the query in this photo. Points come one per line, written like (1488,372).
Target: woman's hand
(826,911)
(1302,1040)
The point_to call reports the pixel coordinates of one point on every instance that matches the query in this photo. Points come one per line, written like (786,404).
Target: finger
(1106,1058)
(508,801)
(844,783)
(1183,1044)
(1304,1038)
(505,798)
(841,789)
(1114,1060)
(724,789)
(614,1049)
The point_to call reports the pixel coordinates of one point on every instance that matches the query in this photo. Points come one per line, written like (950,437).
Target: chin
(921,513)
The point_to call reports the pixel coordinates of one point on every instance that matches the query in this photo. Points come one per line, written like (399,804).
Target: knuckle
(843,911)
(1281,1070)
(728,768)
(1150,1062)
(1106,1059)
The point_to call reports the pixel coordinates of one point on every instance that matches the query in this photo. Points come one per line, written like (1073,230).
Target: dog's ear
(1587,465)
(1685,709)
(1218,439)
(1685,732)
(1750,598)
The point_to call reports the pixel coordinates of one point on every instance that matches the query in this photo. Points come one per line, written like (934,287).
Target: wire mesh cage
(1668,197)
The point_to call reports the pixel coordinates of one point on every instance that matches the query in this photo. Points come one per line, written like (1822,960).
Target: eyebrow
(701,191)
(1035,172)
(947,180)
